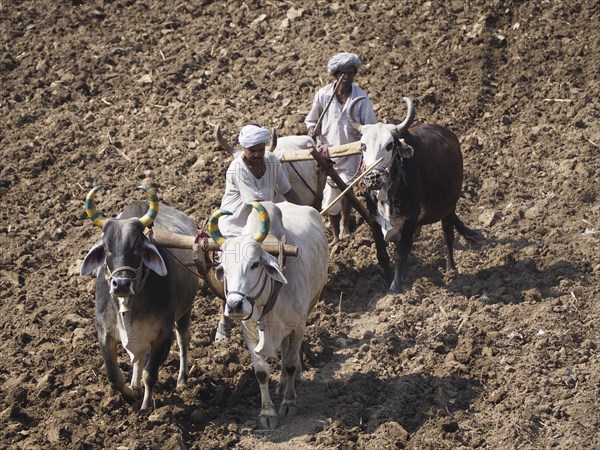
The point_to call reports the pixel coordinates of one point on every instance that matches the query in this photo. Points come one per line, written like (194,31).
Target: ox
(141,292)
(272,305)
(418,182)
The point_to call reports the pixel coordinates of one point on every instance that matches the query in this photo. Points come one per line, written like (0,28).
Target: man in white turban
(254,175)
(336,130)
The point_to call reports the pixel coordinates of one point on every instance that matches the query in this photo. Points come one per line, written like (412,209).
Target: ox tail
(472,236)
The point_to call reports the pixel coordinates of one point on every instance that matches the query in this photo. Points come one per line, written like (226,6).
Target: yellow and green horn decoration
(213,226)
(149,217)
(90,208)
(265,221)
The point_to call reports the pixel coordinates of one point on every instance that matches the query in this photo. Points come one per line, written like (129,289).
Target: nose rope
(110,275)
(394,170)
(251,299)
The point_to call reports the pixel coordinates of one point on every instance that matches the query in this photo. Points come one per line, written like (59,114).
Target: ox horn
(273,144)
(90,208)
(357,126)
(265,222)
(222,142)
(410,116)
(149,217)
(213,226)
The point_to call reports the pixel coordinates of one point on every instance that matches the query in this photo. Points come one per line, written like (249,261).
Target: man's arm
(313,116)
(292,197)
(367,115)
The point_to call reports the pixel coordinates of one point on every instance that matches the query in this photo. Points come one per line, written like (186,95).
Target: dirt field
(505,355)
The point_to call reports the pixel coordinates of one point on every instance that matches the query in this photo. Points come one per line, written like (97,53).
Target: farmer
(335,129)
(254,175)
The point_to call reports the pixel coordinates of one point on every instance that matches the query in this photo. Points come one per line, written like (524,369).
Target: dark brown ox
(418,182)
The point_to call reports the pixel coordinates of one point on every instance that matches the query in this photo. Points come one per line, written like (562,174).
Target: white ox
(253,280)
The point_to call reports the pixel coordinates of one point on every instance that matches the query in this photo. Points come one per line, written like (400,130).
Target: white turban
(252,135)
(342,61)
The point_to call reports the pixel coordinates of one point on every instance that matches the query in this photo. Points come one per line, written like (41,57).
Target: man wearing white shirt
(254,175)
(336,130)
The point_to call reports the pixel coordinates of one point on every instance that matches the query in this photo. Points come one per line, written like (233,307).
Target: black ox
(418,182)
(142,291)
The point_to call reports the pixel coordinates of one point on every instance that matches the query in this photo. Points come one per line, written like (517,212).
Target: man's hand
(323,150)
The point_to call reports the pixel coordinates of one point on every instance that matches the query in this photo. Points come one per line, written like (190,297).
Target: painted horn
(213,226)
(410,116)
(90,208)
(222,142)
(357,126)
(149,217)
(273,144)
(265,222)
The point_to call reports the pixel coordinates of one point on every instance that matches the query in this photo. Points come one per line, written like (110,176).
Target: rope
(303,180)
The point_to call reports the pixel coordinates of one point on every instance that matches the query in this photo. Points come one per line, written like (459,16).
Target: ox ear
(220,273)
(152,259)
(405,150)
(93,259)
(272,267)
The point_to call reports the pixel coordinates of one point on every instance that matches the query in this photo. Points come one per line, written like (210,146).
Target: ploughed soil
(503,355)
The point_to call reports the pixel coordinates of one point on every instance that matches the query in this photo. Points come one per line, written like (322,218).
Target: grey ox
(142,291)
(273,303)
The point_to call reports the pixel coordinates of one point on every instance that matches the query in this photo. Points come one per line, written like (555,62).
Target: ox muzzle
(377,179)
(122,282)
(241,306)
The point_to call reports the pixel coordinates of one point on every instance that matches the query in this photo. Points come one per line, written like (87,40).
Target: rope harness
(275,287)
(109,275)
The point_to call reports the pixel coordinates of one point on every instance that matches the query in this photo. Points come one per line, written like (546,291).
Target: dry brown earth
(506,355)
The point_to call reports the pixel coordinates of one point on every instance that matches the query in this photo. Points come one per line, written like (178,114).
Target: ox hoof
(266,422)
(450,274)
(131,395)
(145,409)
(396,288)
(288,410)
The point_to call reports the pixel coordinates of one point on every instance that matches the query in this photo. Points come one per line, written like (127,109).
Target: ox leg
(402,251)
(224,327)
(267,420)
(380,245)
(290,365)
(138,365)
(158,353)
(182,332)
(108,347)
(282,377)
(448,229)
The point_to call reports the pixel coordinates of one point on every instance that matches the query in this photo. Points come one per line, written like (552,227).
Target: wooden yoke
(200,249)
(166,238)
(382,255)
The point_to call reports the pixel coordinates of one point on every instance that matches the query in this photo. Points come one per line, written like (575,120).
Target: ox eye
(254,265)
(363,148)
(389,147)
